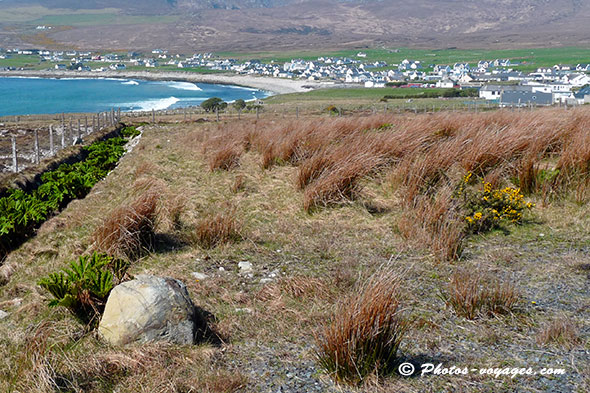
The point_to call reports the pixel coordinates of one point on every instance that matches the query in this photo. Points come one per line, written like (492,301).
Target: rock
(245,267)
(221,269)
(199,276)
(149,308)
(3,314)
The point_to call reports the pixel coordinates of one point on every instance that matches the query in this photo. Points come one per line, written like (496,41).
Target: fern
(85,285)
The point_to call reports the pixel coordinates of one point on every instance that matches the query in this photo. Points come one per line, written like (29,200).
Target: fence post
(14,155)
(217,114)
(79,131)
(297,112)
(37,153)
(63,137)
(153,116)
(86,125)
(51,147)
(257,112)
(71,130)
(98,121)
(119,114)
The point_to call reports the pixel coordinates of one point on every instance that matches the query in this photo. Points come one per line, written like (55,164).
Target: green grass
(530,58)
(24,61)
(353,93)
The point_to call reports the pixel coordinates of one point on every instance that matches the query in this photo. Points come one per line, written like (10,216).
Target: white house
(445,84)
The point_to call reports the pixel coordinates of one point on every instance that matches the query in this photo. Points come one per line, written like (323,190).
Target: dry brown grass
(153,367)
(422,151)
(436,223)
(296,287)
(128,230)
(471,295)
(216,229)
(225,158)
(363,336)
(561,331)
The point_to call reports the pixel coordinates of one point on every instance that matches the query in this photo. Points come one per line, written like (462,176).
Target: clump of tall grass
(471,295)
(363,336)
(215,229)
(129,230)
(561,331)
(225,158)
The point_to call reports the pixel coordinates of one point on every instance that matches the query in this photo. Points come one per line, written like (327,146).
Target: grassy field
(530,58)
(357,99)
(318,205)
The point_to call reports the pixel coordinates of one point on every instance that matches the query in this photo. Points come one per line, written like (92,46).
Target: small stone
(244,310)
(541,235)
(265,280)
(199,276)
(3,314)
(245,267)
(221,269)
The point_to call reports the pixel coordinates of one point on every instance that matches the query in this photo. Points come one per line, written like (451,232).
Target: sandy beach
(273,85)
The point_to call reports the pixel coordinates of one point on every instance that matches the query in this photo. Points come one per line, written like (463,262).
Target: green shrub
(85,286)
(21,212)
(130,132)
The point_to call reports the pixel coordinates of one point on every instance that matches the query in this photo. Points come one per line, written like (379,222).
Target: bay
(27,96)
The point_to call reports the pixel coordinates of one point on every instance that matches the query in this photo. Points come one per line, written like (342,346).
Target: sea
(27,96)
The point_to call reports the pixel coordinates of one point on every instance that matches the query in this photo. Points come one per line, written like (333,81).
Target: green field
(530,59)
(353,94)
(29,62)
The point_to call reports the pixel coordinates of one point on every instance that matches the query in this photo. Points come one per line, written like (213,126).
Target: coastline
(272,85)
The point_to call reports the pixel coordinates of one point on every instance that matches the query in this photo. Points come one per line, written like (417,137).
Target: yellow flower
(477,216)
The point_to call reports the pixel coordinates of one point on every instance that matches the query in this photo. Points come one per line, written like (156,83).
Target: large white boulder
(148,308)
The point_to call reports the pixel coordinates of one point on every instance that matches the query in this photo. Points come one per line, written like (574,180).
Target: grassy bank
(322,207)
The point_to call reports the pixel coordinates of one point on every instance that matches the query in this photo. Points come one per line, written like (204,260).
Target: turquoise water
(26,96)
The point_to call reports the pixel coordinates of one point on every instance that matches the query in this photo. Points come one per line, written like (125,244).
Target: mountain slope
(297,24)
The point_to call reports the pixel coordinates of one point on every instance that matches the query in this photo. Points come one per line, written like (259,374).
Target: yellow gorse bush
(487,207)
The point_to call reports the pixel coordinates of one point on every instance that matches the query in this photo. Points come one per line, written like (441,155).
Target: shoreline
(273,85)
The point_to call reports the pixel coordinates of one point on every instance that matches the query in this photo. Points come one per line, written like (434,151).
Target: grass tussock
(561,331)
(436,223)
(471,295)
(217,229)
(362,338)
(129,230)
(225,158)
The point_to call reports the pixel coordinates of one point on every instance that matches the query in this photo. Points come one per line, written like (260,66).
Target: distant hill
(253,25)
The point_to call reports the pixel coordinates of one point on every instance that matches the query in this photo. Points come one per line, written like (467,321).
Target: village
(498,81)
